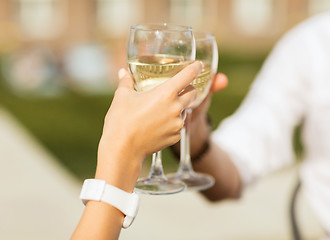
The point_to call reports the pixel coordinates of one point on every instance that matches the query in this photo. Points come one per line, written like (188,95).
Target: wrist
(199,139)
(205,147)
(118,165)
(200,134)
(100,191)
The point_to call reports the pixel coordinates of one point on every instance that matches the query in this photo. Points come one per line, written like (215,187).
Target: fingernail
(122,72)
(201,63)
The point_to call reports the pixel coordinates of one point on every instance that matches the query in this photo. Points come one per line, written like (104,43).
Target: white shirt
(293,87)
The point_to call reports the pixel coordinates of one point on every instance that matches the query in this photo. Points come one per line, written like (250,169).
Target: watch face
(135,203)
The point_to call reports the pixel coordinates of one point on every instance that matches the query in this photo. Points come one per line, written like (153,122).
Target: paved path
(39,200)
(262,214)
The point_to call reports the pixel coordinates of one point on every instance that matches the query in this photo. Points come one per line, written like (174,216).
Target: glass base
(159,186)
(194,181)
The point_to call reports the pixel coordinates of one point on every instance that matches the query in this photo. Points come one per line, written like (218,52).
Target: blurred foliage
(70,125)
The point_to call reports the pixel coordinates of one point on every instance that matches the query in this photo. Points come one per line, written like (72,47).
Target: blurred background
(59,61)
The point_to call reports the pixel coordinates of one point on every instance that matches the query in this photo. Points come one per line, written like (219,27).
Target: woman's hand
(140,123)
(137,124)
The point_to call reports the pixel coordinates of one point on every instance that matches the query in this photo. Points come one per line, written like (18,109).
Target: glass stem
(185,161)
(156,170)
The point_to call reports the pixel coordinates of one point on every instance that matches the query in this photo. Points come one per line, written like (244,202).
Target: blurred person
(292,88)
(124,144)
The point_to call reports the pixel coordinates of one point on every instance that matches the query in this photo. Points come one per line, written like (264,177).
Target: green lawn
(70,125)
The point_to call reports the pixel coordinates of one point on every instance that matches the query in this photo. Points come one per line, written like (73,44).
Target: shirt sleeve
(258,136)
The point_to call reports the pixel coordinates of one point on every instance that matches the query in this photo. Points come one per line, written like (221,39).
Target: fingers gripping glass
(207,52)
(157,52)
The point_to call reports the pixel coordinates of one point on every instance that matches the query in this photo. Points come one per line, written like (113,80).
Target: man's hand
(199,127)
(220,81)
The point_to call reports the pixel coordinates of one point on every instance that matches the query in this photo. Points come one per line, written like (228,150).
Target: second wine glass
(157,52)
(207,52)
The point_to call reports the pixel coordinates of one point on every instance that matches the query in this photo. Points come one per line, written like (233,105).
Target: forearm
(214,162)
(99,221)
(118,168)
(227,179)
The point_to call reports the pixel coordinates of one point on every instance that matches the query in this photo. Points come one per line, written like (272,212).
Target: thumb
(125,79)
(220,82)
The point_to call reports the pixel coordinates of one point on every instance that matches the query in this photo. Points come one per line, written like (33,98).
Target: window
(114,17)
(318,6)
(187,12)
(252,16)
(39,19)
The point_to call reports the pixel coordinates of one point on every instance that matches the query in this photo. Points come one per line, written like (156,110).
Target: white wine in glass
(150,71)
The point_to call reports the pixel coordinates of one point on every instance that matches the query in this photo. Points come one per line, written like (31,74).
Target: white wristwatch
(98,190)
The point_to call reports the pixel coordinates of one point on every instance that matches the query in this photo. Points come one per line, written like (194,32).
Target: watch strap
(98,190)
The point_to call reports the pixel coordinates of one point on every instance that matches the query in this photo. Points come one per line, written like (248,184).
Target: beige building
(235,22)
(239,25)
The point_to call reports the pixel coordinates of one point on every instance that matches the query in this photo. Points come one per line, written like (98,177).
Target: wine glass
(155,53)
(207,52)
